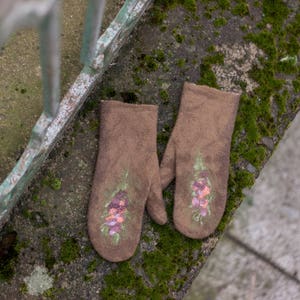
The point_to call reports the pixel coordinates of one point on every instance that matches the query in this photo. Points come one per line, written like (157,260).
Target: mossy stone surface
(165,262)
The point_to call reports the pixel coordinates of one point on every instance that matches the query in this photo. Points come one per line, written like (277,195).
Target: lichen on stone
(238,61)
(38,281)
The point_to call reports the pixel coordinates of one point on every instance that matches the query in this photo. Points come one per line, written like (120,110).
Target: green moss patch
(123,283)
(164,96)
(160,8)
(150,63)
(159,55)
(53,182)
(108,92)
(240,9)
(212,5)
(52,293)
(162,138)
(178,37)
(207,76)
(281,48)
(296,85)
(69,250)
(159,266)
(92,266)
(181,62)
(256,111)
(138,80)
(48,253)
(219,22)
(223,4)
(275,13)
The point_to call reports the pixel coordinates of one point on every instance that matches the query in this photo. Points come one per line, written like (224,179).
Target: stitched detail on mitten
(116,212)
(201,191)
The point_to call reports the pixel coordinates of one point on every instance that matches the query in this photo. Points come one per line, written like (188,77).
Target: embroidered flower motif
(116,215)
(201,191)
(116,212)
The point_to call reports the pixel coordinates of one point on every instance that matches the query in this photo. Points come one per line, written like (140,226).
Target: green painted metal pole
(93,21)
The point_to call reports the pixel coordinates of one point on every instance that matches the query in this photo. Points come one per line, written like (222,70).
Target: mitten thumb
(155,203)
(167,166)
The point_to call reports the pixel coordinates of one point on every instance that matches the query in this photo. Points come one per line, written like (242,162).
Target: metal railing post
(50,60)
(93,21)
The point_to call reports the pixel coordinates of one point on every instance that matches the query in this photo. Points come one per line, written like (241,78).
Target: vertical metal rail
(43,15)
(93,21)
(97,55)
(50,60)
(49,32)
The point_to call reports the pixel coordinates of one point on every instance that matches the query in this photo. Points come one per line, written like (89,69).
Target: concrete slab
(233,273)
(269,222)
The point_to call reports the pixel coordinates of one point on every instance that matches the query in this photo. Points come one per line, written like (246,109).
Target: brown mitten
(127,167)
(198,155)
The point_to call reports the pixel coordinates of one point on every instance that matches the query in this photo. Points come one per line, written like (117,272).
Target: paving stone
(268,142)
(270,224)
(233,273)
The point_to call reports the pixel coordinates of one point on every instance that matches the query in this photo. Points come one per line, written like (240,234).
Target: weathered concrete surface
(231,273)
(20,80)
(269,223)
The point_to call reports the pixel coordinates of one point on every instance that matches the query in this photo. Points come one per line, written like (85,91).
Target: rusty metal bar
(38,149)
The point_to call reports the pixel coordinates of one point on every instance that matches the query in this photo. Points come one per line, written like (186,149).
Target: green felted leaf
(104,229)
(199,165)
(116,238)
(196,216)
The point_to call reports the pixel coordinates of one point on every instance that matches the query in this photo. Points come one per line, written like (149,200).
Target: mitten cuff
(194,96)
(113,104)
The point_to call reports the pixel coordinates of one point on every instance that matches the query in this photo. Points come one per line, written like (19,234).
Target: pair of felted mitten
(128,177)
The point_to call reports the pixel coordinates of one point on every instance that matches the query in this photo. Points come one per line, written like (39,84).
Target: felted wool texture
(198,155)
(127,166)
